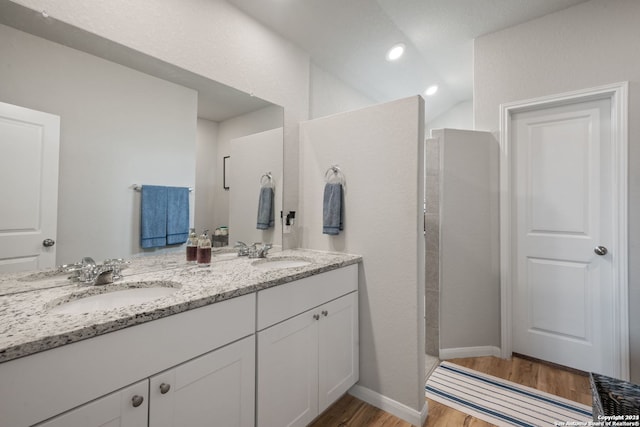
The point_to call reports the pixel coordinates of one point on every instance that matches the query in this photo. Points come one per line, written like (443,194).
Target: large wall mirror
(129,119)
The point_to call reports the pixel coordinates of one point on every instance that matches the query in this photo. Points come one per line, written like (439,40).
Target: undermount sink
(114,299)
(280,263)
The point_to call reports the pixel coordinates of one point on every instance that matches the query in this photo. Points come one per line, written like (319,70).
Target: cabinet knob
(164,388)
(325,313)
(316,316)
(137,401)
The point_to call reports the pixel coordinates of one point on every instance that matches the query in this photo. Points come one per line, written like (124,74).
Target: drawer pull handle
(325,313)
(137,400)
(316,316)
(164,388)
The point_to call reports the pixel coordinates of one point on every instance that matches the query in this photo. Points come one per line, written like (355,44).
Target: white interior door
(29,143)
(562,295)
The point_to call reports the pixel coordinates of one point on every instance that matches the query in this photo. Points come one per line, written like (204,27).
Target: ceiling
(350,38)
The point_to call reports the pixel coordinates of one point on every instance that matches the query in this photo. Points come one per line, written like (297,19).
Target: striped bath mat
(501,402)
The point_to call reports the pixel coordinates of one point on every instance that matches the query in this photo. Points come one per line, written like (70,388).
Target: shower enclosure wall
(462,243)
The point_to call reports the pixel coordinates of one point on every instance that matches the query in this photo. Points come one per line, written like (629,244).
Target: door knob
(600,250)
(47,243)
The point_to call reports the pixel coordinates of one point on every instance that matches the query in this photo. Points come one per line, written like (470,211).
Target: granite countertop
(29,323)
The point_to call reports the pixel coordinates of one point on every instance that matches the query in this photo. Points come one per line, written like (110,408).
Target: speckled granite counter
(29,325)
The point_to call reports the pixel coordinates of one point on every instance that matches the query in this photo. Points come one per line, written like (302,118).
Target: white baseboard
(453,353)
(417,418)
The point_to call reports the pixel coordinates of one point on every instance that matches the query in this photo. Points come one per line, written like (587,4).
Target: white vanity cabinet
(307,346)
(217,387)
(205,355)
(293,347)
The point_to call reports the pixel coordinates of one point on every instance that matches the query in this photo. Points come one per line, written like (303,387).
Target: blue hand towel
(265,209)
(177,215)
(153,216)
(332,206)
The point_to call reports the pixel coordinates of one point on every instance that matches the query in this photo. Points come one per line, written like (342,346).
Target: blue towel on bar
(153,216)
(265,209)
(332,206)
(177,215)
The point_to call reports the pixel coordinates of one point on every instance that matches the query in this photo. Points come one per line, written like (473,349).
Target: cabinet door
(217,389)
(338,351)
(113,410)
(288,372)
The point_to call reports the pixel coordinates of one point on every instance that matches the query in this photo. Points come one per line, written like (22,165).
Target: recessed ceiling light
(395,52)
(431,90)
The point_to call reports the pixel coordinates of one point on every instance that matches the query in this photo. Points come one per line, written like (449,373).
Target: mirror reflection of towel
(177,215)
(266,217)
(332,206)
(164,216)
(153,216)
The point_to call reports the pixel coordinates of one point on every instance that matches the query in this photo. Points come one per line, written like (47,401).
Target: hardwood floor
(351,412)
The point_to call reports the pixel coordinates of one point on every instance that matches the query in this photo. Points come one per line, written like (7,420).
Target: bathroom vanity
(243,342)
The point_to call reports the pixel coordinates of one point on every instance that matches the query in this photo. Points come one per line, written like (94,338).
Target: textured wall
(380,151)
(587,45)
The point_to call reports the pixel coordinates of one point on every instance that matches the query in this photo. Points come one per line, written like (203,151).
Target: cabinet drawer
(285,301)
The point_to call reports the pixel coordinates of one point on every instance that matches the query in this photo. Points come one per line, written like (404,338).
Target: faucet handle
(265,249)
(243,249)
(88,261)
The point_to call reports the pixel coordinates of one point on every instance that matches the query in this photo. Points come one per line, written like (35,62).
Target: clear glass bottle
(204,249)
(192,246)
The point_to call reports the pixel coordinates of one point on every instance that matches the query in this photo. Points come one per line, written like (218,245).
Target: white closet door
(562,301)
(29,143)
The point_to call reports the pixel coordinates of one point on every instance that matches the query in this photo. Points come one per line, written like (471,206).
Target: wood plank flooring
(351,412)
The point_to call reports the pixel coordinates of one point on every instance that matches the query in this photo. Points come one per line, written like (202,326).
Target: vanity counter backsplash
(31,320)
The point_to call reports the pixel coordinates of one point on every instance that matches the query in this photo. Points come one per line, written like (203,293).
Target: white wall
(211,38)
(460,116)
(330,95)
(206,171)
(380,151)
(247,124)
(469,237)
(587,45)
(253,156)
(118,127)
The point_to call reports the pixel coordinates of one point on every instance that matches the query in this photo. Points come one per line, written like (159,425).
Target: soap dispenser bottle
(204,249)
(192,246)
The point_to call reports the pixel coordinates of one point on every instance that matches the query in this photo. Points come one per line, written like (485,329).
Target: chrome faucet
(87,272)
(243,249)
(259,250)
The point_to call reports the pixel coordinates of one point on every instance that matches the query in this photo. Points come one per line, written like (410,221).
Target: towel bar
(138,187)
